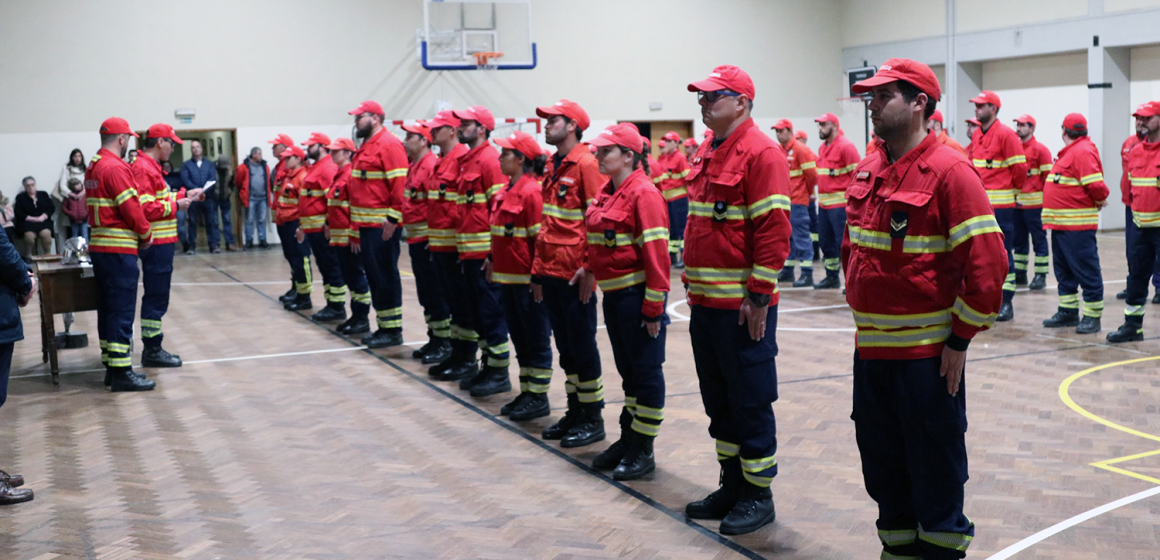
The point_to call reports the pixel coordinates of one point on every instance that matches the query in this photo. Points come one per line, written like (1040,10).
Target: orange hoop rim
(483,59)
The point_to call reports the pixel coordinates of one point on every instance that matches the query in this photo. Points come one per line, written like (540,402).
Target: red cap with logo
(726,77)
(421,128)
(116,125)
(342,144)
(916,73)
(294,151)
(828,117)
(1076,122)
(162,130)
(673,136)
(661,143)
(1149,109)
(523,143)
(937,116)
(624,135)
(801,135)
(568,109)
(368,106)
(443,118)
(782,124)
(690,142)
(987,97)
(974,122)
(477,113)
(317,138)
(283,140)
(1026,119)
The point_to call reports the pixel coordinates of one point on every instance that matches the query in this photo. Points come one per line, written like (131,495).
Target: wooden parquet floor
(281,440)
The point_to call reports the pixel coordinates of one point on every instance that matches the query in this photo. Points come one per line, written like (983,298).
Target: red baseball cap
(342,144)
(974,122)
(368,106)
(421,128)
(916,73)
(672,135)
(443,118)
(726,77)
(661,143)
(645,140)
(162,130)
(294,151)
(283,140)
(117,125)
(690,142)
(801,135)
(782,124)
(1026,119)
(1076,122)
(828,117)
(317,138)
(1149,109)
(523,143)
(624,135)
(937,116)
(477,113)
(569,109)
(987,97)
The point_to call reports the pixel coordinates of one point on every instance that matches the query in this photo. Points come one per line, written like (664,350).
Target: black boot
(1062,318)
(588,430)
(495,380)
(466,383)
(1132,330)
(571,418)
(460,370)
(263,245)
(332,312)
(1123,294)
(638,460)
(718,504)
(753,511)
(535,405)
(382,339)
(418,352)
(507,409)
(1038,282)
(1020,278)
(610,458)
(1156,298)
(1006,312)
(806,280)
(680,261)
(440,350)
(786,275)
(126,380)
(300,302)
(289,295)
(1088,325)
(156,356)
(830,283)
(357,325)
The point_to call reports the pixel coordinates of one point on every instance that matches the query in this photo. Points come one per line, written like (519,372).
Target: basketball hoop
(486,60)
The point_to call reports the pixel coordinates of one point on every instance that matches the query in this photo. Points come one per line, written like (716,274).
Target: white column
(1109,119)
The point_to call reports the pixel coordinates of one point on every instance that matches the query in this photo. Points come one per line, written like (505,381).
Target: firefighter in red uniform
(1144,175)
(837,158)
(292,251)
(477,182)
(1130,229)
(628,234)
(344,240)
(972,126)
(997,154)
(804,137)
(935,125)
(1029,208)
(312,221)
(291,177)
(674,169)
(690,147)
(416,209)
(160,207)
(739,237)
(119,229)
(924,264)
(515,225)
(1072,199)
(570,185)
(654,174)
(803,178)
(378,173)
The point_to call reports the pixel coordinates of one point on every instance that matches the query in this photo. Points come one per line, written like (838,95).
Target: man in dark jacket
(223,194)
(195,173)
(17,286)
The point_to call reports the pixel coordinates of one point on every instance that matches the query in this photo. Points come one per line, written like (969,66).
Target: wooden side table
(63,289)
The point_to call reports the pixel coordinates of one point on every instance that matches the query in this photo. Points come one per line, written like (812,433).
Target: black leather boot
(126,380)
(1123,294)
(1020,278)
(495,380)
(357,325)
(831,282)
(440,350)
(332,312)
(156,356)
(507,409)
(535,405)
(382,339)
(718,504)
(418,352)
(610,458)
(466,383)
(459,370)
(786,275)
(571,418)
(1038,282)
(1062,318)
(754,510)
(1132,330)
(638,460)
(299,303)
(806,280)
(589,430)
(1006,312)
(289,295)
(1088,325)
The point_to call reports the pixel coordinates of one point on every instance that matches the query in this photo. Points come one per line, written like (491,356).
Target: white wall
(1045,87)
(1111,6)
(980,15)
(866,22)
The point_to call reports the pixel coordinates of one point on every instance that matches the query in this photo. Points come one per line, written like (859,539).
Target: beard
(464,139)
(363,131)
(556,139)
(887,128)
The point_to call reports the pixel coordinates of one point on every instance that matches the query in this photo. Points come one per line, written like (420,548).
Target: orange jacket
(923,254)
(1143,169)
(420,176)
(1075,186)
(242,180)
(515,223)
(289,189)
(312,197)
(338,209)
(628,240)
(279,174)
(478,182)
(158,203)
(998,157)
(570,185)
(1038,164)
(1126,183)
(738,232)
(119,225)
(378,172)
(674,169)
(443,207)
(836,163)
(803,172)
(946,139)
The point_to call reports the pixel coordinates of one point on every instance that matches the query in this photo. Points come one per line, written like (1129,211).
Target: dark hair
(1075,134)
(150,143)
(579,133)
(535,166)
(255,149)
(75,152)
(910,92)
(26,179)
(109,138)
(641,159)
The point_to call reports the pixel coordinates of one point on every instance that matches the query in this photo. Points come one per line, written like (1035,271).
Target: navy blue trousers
(801,252)
(1006,219)
(639,358)
(156,275)
(326,259)
(527,323)
(574,327)
(831,226)
(297,256)
(813,208)
(910,434)
(116,276)
(1077,263)
(381,262)
(432,290)
(738,379)
(5,368)
(464,334)
(484,297)
(678,216)
(1130,232)
(1143,252)
(1029,224)
(356,280)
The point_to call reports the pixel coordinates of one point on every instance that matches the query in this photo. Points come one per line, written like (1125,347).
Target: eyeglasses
(711,97)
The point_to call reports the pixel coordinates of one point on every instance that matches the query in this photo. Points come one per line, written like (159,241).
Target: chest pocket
(509,213)
(562,187)
(616,229)
(726,203)
(472,190)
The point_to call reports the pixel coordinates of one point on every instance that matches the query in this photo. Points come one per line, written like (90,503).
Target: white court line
(1063,526)
(244,283)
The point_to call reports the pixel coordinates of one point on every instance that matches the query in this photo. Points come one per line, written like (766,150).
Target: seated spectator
(6,214)
(34,210)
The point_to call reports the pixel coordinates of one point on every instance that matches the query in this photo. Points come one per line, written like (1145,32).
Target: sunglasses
(712,96)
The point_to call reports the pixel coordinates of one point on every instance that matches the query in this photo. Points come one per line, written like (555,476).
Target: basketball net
(486,60)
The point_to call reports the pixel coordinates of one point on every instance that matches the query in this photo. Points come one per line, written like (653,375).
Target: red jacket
(443,207)
(515,223)
(923,254)
(674,168)
(338,209)
(378,172)
(1075,185)
(1038,164)
(242,180)
(158,203)
(570,185)
(803,172)
(999,159)
(946,139)
(628,240)
(1126,183)
(738,232)
(420,180)
(655,173)
(119,225)
(1144,168)
(836,163)
(286,207)
(478,182)
(312,197)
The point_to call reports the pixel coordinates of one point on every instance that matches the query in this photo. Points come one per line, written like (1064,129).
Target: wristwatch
(760,300)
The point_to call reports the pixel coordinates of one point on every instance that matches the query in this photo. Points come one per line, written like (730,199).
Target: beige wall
(866,22)
(1111,6)
(980,15)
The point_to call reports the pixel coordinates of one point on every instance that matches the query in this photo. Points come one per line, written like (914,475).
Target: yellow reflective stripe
(673,194)
(869,238)
(501,231)
(776,201)
(622,282)
(835,172)
(655,296)
(827,199)
(653,234)
(1146,219)
(312,221)
(1144,181)
(573,214)
(758,465)
(913,244)
(972,227)
(722,291)
(622,239)
(897,537)
(953,541)
(705,209)
(1005,196)
(360,214)
(809,165)
(417,229)
(1089,179)
(883,321)
(285,200)
(1060,179)
(494,189)
(502,278)
(106,202)
(1071,216)
(795,173)
(680,175)
(312,192)
(992,163)
(709,275)
(1033,172)
(479,198)
(336,203)
(126,195)
(1028,199)
(874,338)
(968,315)
(765,273)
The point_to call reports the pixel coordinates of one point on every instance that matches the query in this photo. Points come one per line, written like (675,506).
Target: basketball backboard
(454,31)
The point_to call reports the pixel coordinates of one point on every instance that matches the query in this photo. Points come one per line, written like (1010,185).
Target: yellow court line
(1107,463)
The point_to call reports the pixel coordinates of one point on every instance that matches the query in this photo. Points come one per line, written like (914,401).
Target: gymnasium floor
(279,439)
